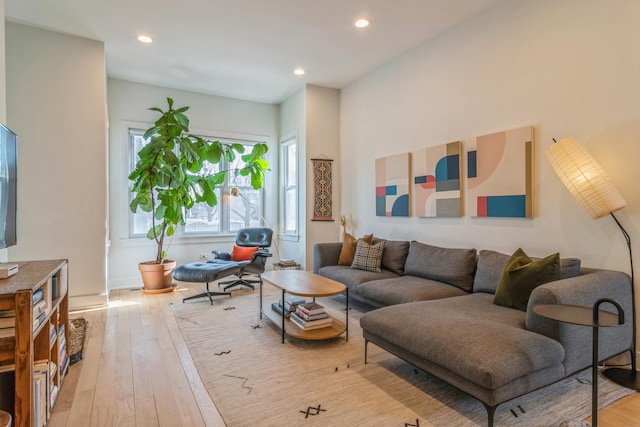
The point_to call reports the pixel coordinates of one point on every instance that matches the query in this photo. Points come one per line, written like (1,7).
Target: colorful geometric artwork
(436,181)
(392,186)
(500,174)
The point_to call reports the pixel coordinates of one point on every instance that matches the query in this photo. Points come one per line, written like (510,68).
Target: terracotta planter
(157,276)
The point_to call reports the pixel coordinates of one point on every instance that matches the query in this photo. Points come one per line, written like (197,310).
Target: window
(290,186)
(227,217)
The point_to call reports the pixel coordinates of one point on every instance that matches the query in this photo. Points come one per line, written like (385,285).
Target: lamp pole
(625,377)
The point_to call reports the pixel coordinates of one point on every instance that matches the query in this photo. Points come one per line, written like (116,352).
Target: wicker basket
(77,332)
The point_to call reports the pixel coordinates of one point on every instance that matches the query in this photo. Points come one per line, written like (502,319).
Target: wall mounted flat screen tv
(8,186)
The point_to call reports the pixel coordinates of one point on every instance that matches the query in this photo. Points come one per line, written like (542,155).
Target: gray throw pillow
(394,255)
(452,266)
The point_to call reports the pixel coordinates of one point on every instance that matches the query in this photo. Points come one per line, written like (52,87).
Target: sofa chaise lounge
(435,310)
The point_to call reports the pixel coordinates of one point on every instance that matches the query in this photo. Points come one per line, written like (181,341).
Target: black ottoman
(205,272)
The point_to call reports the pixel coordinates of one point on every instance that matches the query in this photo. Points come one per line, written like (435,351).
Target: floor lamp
(592,188)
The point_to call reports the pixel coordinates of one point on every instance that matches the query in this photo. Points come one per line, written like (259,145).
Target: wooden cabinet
(42,340)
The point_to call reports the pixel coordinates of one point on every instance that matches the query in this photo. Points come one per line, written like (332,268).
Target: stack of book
(7,323)
(39,308)
(291,302)
(310,315)
(287,263)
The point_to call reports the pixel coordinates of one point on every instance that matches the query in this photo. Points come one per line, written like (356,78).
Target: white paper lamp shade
(584,178)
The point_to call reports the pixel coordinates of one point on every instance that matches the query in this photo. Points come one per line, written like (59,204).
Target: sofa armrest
(325,254)
(584,290)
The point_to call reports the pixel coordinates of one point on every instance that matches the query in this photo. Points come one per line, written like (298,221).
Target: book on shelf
(37,296)
(7,318)
(52,334)
(37,321)
(41,374)
(40,307)
(277,307)
(287,262)
(309,317)
(292,301)
(7,368)
(7,322)
(310,325)
(311,308)
(7,332)
(37,402)
(54,395)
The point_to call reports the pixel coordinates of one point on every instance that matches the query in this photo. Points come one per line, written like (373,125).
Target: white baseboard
(87,301)
(133,282)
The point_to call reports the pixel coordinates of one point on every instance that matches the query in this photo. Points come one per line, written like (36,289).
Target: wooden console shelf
(34,341)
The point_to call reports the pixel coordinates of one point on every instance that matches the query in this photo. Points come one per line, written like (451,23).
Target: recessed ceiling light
(145,39)
(362,23)
(299,71)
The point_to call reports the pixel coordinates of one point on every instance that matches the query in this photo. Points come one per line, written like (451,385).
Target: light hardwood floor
(137,371)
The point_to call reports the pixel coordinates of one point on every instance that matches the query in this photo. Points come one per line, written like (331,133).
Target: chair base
(239,282)
(207,293)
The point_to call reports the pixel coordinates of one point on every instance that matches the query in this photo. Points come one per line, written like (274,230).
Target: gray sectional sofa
(435,310)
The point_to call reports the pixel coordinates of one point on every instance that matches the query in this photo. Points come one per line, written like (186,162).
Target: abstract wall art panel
(437,190)
(500,174)
(392,185)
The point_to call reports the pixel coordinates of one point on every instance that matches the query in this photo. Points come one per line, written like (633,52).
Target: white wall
(322,141)
(312,114)
(293,123)
(56,103)
(128,107)
(569,67)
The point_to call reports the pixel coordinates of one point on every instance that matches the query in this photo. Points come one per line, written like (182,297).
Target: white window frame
(224,200)
(289,185)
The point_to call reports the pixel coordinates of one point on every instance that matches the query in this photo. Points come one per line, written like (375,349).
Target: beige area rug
(255,380)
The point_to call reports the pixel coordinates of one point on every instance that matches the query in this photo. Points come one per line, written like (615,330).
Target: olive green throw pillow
(522,275)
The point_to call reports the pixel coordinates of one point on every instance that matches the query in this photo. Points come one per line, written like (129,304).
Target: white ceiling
(247,49)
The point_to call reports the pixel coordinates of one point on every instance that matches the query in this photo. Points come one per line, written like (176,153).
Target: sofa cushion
(395,255)
(368,257)
(522,275)
(491,265)
(406,289)
(348,250)
(452,266)
(351,277)
(497,348)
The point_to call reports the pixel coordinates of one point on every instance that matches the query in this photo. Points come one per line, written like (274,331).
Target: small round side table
(586,316)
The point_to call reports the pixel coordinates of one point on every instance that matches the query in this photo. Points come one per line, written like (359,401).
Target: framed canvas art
(392,185)
(437,189)
(500,174)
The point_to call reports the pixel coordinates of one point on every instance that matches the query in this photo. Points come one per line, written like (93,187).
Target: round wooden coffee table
(305,284)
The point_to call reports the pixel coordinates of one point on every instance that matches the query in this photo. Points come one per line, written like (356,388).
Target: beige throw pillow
(348,250)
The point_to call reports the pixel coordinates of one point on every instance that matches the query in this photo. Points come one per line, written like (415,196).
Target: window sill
(181,240)
(290,237)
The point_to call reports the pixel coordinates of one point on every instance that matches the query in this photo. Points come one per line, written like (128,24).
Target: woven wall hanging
(323,190)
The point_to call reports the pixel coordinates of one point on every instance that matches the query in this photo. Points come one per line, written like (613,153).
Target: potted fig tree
(168,180)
